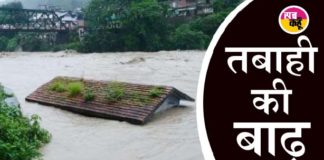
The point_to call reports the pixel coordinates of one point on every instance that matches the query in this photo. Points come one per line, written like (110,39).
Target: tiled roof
(124,110)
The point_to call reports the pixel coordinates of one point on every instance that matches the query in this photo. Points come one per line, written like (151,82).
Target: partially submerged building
(136,107)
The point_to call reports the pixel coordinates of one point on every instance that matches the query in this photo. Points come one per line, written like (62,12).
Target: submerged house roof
(131,110)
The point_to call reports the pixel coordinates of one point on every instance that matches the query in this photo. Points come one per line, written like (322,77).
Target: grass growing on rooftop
(156,92)
(75,88)
(139,99)
(88,95)
(115,91)
(57,86)
(20,137)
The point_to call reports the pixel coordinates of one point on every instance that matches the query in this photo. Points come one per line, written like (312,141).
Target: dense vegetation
(20,137)
(144,25)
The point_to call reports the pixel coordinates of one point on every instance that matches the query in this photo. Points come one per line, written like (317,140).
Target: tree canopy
(130,25)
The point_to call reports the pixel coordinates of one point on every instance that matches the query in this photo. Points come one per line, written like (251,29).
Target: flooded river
(171,135)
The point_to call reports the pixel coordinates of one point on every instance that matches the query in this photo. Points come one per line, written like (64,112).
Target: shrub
(209,24)
(20,137)
(57,87)
(32,42)
(58,47)
(73,45)
(115,91)
(74,88)
(156,92)
(3,43)
(12,44)
(144,26)
(185,38)
(88,95)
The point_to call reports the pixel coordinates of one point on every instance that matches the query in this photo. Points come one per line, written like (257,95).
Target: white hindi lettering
(290,15)
(297,148)
(263,61)
(266,101)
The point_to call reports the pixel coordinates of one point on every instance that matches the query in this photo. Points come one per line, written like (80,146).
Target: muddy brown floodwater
(169,135)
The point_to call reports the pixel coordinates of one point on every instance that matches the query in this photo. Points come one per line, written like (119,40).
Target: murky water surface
(170,135)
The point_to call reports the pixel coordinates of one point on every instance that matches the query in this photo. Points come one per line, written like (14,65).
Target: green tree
(32,42)
(186,38)
(12,19)
(3,43)
(99,15)
(209,24)
(147,26)
(15,5)
(143,26)
(12,44)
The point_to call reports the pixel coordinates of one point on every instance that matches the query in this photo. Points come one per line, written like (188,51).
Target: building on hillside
(190,7)
(73,20)
(68,19)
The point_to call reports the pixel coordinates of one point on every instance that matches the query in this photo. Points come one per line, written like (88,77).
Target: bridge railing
(12,19)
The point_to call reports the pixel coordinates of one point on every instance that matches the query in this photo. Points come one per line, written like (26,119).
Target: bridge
(29,20)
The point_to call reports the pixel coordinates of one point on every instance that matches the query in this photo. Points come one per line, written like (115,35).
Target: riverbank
(170,135)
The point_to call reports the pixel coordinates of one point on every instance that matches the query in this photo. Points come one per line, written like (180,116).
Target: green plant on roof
(156,92)
(139,99)
(57,86)
(115,91)
(88,95)
(74,88)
